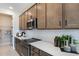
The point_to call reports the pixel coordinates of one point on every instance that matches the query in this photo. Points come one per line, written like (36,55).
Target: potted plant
(65,38)
(61,41)
(57,41)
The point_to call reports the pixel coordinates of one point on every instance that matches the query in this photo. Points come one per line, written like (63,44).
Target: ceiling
(17,7)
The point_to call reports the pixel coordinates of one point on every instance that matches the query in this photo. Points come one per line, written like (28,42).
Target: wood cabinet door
(35,54)
(18,46)
(23,22)
(32,12)
(41,13)
(35,51)
(25,51)
(54,15)
(20,22)
(29,14)
(42,53)
(71,15)
(26,19)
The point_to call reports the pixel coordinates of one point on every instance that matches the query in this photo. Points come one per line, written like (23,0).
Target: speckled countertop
(51,49)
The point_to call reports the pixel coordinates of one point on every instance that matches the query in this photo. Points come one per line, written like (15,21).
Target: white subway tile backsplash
(49,35)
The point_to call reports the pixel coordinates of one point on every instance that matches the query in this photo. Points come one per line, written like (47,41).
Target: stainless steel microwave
(32,23)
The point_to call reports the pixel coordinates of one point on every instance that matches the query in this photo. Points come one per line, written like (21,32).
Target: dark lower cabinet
(37,52)
(21,48)
(18,46)
(42,53)
(24,49)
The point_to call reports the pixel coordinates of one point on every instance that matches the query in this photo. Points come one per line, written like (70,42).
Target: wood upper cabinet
(71,15)
(54,15)
(41,13)
(26,19)
(32,12)
(28,15)
(23,22)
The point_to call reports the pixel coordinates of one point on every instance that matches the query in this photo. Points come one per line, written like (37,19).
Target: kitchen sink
(27,41)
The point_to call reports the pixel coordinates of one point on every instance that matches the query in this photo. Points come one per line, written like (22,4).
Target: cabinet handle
(59,23)
(65,22)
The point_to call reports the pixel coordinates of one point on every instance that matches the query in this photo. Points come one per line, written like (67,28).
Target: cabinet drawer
(35,49)
(35,54)
(42,53)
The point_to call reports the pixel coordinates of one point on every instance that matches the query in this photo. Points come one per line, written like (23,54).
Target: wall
(15,23)
(5,29)
(5,22)
(15,14)
(48,35)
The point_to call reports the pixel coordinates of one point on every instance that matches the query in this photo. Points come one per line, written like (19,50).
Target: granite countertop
(51,49)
